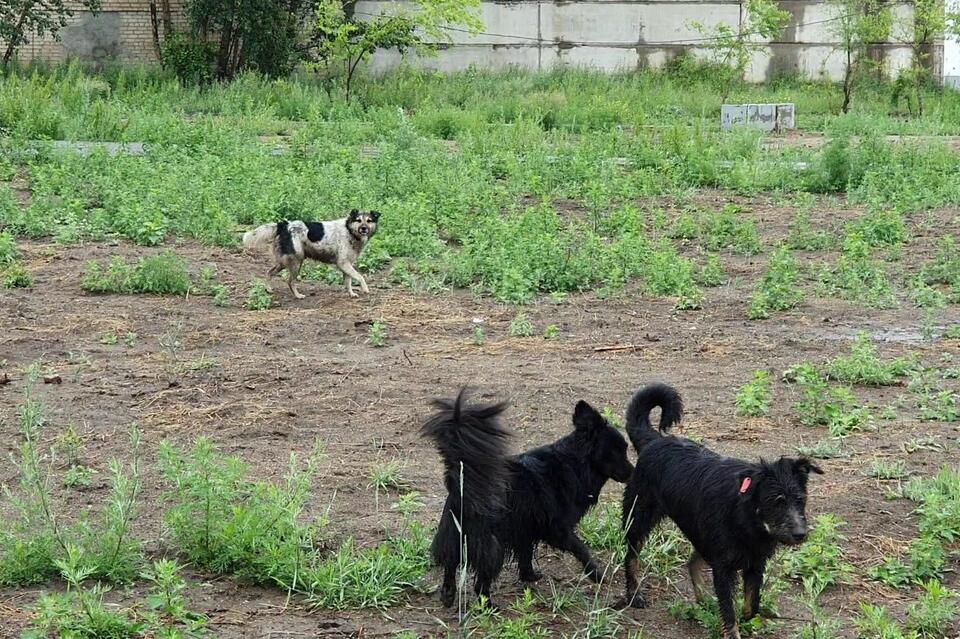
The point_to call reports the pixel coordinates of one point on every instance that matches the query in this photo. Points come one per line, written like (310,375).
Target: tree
(731,48)
(342,40)
(21,18)
(930,23)
(264,35)
(857,25)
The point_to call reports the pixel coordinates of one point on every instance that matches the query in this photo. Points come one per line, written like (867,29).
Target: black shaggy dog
(734,512)
(505,505)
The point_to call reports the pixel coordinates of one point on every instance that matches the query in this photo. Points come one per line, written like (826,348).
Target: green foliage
(521,326)
(932,616)
(712,273)
(857,25)
(190,58)
(552,331)
(37,541)
(945,269)
(881,228)
(524,621)
(343,42)
(259,297)
(863,366)
(222,521)
(858,276)
(778,287)
(819,562)
(161,274)
(883,469)
(261,35)
(16,276)
(820,404)
(378,333)
(9,253)
(875,622)
(731,47)
(803,237)
(753,398)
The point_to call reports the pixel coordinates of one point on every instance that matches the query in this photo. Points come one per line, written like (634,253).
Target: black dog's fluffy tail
(638,413)
(473,445)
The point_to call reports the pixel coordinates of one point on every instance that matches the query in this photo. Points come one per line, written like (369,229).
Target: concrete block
(767,117)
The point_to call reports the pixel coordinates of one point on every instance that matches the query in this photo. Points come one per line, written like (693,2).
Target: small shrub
(802,237)
(258,297)
(858,276)
(521,326)
(378,333)
(221,296)
(552,331)
(161,274)
(874,622)
(819,561)
(191,59)
(880,228)
(863,366)
(9,253)
(17,276)
(712,273)
(778,288)
(932,616)
(882,469)
(753,398)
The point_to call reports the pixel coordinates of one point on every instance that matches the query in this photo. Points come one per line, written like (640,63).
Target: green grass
(162,274)
(515,185)
(777,290)
(753,398)
(864,366)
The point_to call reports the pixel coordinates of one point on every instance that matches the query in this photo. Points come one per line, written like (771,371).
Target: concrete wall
(629,34)
(534,34)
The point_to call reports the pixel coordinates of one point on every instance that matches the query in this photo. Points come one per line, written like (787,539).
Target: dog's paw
(353,294)
(636,601)
(300,296)
(594,574)
(447,598)
(531,576)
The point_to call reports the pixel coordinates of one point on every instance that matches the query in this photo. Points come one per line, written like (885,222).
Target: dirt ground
(265,384)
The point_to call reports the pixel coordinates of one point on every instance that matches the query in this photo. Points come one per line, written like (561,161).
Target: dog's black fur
(506,505)
(734,512)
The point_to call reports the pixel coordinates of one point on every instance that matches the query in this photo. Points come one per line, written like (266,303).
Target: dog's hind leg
(448,591)
(752,583)
(724,581)
(640,516)
(272,273)
(293,270)
(698,576)
(524,553)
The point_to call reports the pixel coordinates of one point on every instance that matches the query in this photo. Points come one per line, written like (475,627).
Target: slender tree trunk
(847,78)
(165,13)
(13,44)
(155,26)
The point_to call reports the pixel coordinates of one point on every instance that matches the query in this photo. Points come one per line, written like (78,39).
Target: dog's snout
(799,535)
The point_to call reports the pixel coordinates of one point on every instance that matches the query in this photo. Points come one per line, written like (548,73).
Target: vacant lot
(577,241)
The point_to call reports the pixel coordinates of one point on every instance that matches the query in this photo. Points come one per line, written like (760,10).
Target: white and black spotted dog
(337,242)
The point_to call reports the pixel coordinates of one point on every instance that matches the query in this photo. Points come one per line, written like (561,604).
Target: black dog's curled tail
(473,446)
(638,413)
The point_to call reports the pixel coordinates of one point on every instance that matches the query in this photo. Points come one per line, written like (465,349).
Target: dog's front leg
(724,581)
(349,271)
(348,284)
(574,545)
(752,584)
(448,591)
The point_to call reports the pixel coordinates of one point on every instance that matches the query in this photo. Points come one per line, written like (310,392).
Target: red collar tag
(745,486)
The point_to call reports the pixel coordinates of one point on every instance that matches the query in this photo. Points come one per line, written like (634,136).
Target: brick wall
(121,31)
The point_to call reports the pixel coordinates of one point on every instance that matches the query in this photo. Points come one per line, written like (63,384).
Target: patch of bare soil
(264,384)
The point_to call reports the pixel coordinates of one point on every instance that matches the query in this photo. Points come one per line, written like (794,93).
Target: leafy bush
(161,274)
(190,59)
(753,398)
(778,287)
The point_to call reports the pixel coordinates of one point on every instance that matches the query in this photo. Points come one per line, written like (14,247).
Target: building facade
(540,34)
